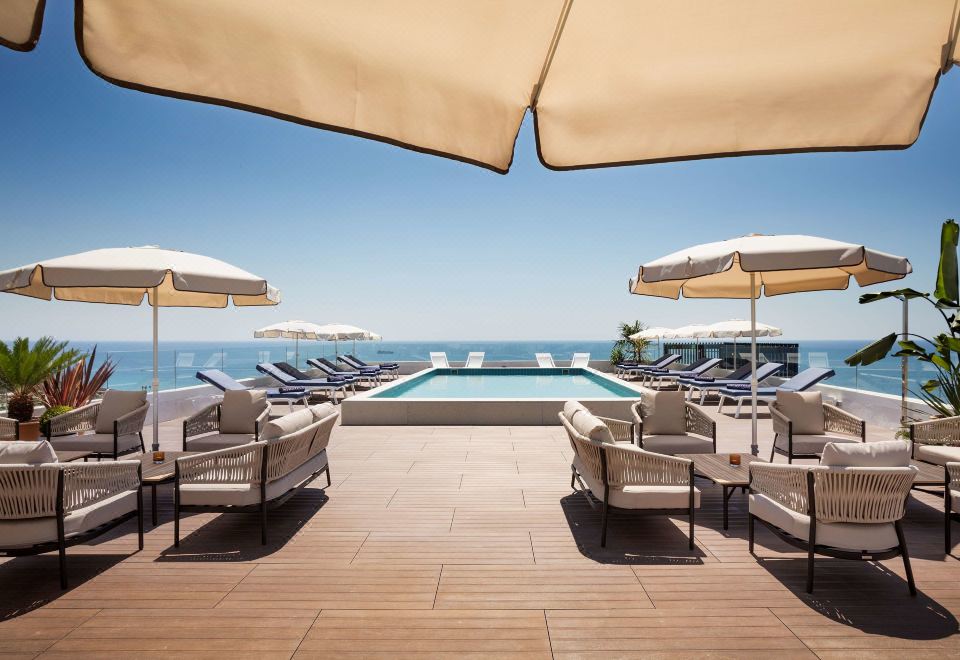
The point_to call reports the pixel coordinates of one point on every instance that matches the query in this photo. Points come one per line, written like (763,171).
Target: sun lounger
(738,377)
(371,376)
(799,383)
(292,371)
(699,370)
(686,370)
(619,368)
(545,360)
(353,362)
(580,360)
(224,383)
(662,363)
(474,360)
(439,361)
(312,384)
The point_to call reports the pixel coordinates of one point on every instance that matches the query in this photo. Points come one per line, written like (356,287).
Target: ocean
(179,361)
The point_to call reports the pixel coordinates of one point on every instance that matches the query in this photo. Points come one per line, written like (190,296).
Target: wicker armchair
(625,477)
(666,423)
(9,429)
(845,512)
(951,502)
(936,441)
(53,506)
(237,421)
(109,428)
(258,476)
(837,426)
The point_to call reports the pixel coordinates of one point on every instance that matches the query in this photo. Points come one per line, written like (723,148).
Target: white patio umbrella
(773,265)
(736,328)
(337,332)
(608,82)
(295,330)
(656,332)
(123,276)
(692,331)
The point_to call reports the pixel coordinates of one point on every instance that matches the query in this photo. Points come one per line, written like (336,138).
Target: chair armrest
(261,420)
(632,466)
(944,431)
(132,422)
(8,428)
(786,484)
(781,423)
(862,495)
(953,476)
(621,430)
(234,465)
(637,420)
(76,421)
(203,422)
(699,422)
(840,421)
(87,483)
(29,491)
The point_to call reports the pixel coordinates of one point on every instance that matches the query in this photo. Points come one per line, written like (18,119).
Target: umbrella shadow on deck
(236,536)
(631,538)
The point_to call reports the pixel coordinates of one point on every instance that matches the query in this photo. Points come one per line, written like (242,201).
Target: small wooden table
(154,474)
(68,456)
(717,468)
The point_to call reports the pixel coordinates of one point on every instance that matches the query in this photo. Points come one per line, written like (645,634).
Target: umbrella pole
(296,350)
(754,449)
(904,365)
(156,373)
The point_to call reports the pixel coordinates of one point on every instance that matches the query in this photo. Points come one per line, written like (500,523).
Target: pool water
(508,384)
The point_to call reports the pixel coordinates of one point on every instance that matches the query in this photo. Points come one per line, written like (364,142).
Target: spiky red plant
(75,385)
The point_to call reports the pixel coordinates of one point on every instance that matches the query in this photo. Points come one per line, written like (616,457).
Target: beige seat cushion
(322,411)
(31,531)
(590,426)
(219,441)
(240,410)
(26,452)
(847,536)
(804,409)
(939,454)
(813,444)
(663,413)
(281,426)
(116,404)
(247,494)
(640,497)
(678,444)
(887,453)
(99,443)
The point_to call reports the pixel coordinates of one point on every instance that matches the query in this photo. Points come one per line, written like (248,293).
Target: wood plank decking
(467,543)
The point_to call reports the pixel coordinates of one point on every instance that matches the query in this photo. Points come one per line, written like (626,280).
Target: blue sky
(418,247)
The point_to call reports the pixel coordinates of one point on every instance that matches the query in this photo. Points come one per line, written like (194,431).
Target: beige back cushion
(570,408)
(804,409)
(663,413)
(115,404)
(240,410)
(888,453)
(322,411)
(30,453)
(589,425)
(287,424)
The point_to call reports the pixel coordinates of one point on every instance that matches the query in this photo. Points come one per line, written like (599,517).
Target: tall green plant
(941,393)
(627,349)
(24,367)
(75,385)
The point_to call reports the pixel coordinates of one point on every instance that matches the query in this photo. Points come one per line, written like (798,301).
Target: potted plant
(626,349)
(23,368)
(73,386)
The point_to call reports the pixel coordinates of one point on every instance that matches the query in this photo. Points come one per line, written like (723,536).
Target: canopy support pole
(904,364)
(156,373)
(296,350)
(754,448)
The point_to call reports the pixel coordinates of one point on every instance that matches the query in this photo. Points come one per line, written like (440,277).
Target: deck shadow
(236,536)
(631,539)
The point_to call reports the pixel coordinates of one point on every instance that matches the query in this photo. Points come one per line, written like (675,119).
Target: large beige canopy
(123,276)
(610,81)
(20,23)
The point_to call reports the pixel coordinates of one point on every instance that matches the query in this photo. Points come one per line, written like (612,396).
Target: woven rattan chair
(9,429)
(951,502)
(842,512)
(621,476)
(53,506)
(936,441)
(667,424)
(109,428)
(236,421)
(805,438)
(258,476)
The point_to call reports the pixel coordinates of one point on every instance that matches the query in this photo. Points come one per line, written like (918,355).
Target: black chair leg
(140,517)
(692,515)
(810,555)
(906,558)
(176,518)
(573,478)
(603,526)
(947,541)
(329,482)
(63,566)
(773,448)
(750,532)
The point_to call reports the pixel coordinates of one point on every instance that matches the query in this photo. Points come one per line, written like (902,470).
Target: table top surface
(717,468)
(67,456)
(157,473)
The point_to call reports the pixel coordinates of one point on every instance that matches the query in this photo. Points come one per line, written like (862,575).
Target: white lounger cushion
(813,444)
(246,494)
(99,443)
(26,452)
(939,454)
(641,497)
(219,441)
(116,404)
(678,444)
(887,453)
(846,536)
(32,531)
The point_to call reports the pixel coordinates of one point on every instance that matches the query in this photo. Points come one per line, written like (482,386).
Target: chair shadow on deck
(236,536)
(631,538)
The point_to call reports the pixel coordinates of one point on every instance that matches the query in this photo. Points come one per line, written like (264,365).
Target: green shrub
(52,412)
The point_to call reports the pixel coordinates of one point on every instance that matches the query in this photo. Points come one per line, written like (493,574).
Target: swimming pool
(507,383)
(475,397)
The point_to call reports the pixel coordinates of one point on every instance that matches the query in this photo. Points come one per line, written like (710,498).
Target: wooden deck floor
(467,543)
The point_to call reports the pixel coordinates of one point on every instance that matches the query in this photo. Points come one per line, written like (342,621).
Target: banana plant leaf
(948,292)
(897,293)
(873,352)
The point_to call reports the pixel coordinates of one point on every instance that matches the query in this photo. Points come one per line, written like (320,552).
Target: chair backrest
(579,360)
(276,374)
(241,409)
(865,495)
(666,361)
(741,373)
(292,371)
(662,412)
(220,380)
(768,369)
(356,360)
(292,440)
(474,360)
(28,491)
(439,360)
(116,404)
(807,379)
(587,451)
(330,365)
(27,452)
(323,366)
(705,366)
(545,360)
(696,364)
(350,361)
